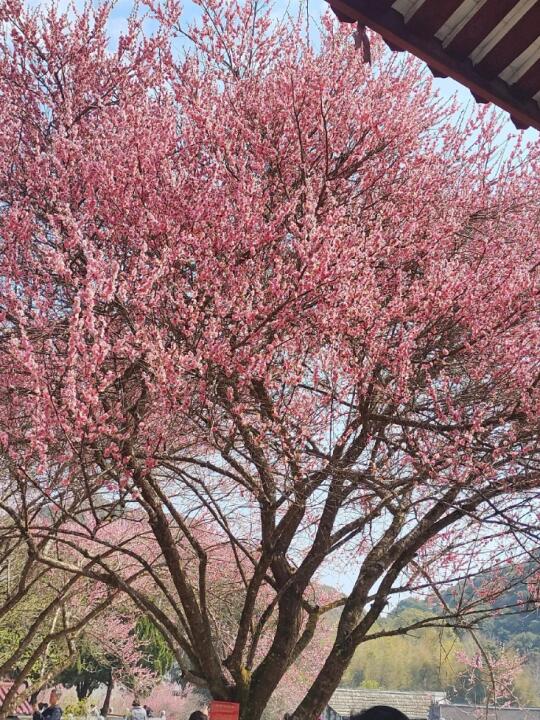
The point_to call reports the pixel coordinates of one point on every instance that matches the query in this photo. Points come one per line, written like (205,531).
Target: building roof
(446,711)
(490,46)
(416,705)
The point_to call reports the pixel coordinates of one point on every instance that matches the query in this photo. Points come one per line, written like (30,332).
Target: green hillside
(433,658)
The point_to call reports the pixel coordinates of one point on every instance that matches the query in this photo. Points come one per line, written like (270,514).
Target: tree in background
(41,621)
(57,626)
(273,308)
(124,648)
(88,672)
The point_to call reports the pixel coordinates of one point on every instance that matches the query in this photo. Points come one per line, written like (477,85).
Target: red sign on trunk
(224,710)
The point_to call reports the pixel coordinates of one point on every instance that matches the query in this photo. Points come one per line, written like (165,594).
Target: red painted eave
(23,709)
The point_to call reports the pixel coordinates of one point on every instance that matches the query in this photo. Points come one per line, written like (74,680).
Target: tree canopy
(265,309)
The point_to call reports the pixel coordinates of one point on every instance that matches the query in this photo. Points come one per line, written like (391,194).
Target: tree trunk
(320,692)
(85,687)
(267,676)
(108,694)
(13,698)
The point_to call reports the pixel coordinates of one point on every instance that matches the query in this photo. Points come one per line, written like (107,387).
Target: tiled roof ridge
(492,707)
(391,692)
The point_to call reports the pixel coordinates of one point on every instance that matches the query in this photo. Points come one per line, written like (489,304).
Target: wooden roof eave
(391,26)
